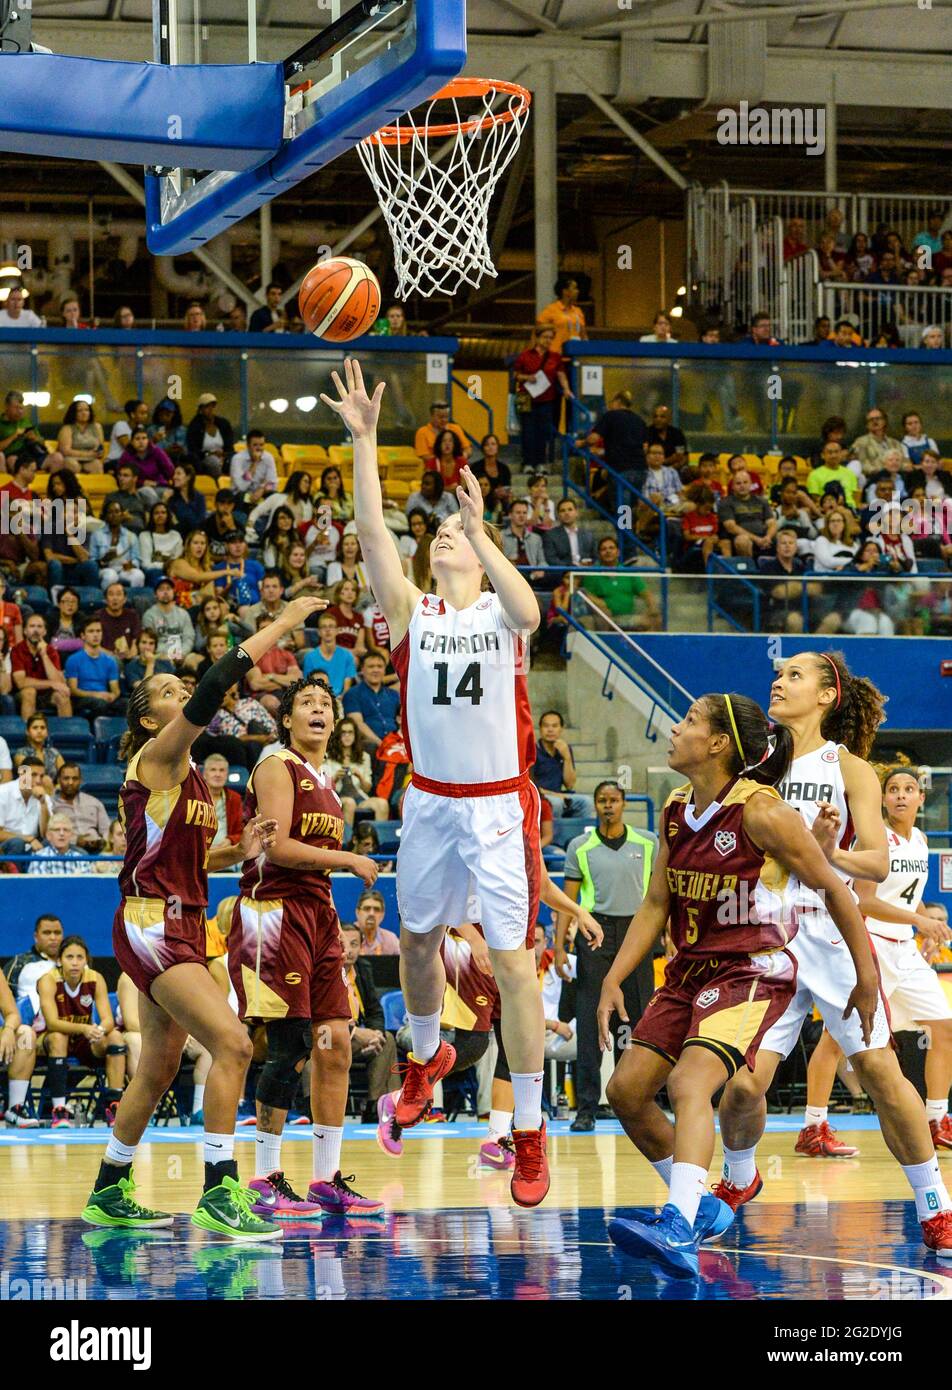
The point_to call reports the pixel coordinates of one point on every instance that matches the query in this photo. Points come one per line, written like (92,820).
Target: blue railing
(718,562)
(658,704)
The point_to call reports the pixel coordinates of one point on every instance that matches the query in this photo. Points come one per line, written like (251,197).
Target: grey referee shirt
(614,881)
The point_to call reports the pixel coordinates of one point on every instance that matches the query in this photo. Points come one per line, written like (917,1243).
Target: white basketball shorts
(826,978)
(910,984)
(455,848)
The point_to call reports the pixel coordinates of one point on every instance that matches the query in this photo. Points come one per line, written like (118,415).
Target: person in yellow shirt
(564,314)
(425,437)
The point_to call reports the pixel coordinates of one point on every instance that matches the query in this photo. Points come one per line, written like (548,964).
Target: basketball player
(471,815)
(833,717)
(159,937)
(912,989)
(729,856)
(68,995)
(285,957)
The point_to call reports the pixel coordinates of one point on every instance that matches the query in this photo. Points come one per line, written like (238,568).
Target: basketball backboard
(369,62)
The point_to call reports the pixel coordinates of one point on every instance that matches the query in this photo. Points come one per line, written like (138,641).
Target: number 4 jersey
(466,714)
(905,883)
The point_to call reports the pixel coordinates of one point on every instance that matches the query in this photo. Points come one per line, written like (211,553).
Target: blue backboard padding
(407,73)
(205,117)
(906,669)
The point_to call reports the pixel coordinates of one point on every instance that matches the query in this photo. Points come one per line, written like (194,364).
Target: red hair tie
(836,677)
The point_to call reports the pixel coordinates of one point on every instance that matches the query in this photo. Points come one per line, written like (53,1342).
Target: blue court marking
(460,1129)
(852,1251)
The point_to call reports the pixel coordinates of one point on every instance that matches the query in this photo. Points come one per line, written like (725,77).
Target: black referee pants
(593,966)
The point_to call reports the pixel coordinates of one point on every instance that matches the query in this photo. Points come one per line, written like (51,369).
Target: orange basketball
(339,299)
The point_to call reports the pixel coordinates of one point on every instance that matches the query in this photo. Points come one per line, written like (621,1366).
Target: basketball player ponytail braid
(760,750)
(135,736)
(858,706)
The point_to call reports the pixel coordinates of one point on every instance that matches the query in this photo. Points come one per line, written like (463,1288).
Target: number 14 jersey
(465,704)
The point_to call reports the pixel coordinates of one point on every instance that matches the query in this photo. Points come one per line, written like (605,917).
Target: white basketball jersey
(465,705)
(905,883)
(812,778)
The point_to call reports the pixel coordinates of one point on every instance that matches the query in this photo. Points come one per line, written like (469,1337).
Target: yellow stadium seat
(398,453)
(341,453)
(406,471)
(5,478)
(296,455)
(206,486)
(398,491)
(96,485)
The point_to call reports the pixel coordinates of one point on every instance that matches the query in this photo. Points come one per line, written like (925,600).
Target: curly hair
(335,748)
(859,707)
(290,694)
(760,750)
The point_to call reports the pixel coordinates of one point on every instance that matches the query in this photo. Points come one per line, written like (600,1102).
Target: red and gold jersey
(75,1005)
(168,836)
(317,819)
(471,997)
(728,898)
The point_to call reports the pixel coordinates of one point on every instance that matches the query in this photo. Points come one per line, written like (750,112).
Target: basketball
(339,299)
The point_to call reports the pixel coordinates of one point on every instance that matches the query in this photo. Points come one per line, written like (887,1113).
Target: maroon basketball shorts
(286,961)
(725,1005)
(150,935)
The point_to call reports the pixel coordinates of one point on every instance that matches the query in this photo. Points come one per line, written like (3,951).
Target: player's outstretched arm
(165,760)
(360,412)
(780,831)
(519,604)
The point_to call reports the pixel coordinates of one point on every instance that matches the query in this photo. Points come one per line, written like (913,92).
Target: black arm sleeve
(206,702)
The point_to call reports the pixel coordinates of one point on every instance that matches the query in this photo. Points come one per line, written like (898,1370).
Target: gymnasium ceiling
(885,64)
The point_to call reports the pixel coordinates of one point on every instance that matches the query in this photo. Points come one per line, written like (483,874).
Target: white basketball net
(436,200)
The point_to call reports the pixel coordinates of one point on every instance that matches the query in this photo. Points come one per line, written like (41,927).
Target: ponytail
(760,750)
(136,735)
(858,706)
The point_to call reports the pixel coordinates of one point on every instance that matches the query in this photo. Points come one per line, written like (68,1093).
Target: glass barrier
(276,387)
(744,601)
(768,401)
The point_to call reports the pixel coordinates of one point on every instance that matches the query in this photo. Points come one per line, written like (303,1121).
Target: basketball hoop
(436,201)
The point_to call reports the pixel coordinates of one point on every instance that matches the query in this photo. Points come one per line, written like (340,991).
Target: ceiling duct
(635,66)
(736,63)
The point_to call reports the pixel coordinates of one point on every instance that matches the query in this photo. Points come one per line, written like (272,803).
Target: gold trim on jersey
(267,1004)
(143,915)
(737,1026)
(160,805)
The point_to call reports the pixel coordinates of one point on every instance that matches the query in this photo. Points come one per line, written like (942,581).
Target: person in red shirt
(447,458)
(121,623)
(18,489)
(700,527)
(738,464)
(276,670)
(794,243)
(536,411)
(704,476)
(37,672)
(11,619)
(350,623)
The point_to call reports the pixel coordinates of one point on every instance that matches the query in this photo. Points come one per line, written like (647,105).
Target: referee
(606,871)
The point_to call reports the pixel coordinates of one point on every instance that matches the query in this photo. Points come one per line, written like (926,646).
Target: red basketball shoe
(942,1132)
(820,1141)
(530,1176)
(416,1095)
(937,1234)
(737,1196)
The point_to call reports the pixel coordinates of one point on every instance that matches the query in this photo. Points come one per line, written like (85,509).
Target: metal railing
(912,308)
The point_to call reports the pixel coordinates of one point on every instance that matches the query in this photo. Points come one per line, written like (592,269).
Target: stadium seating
(108,730)
(73,738)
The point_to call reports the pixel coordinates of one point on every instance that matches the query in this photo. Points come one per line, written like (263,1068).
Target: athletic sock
(198,1099)
(688,1183)
(663,1168)
(116,1163)
(215,1173)
(927,1188)
(425,1033)
(328,1277)
(500,1123)
(815,1115)
(57,1076)
(740,1166)
(935,1109)
(267,1153)
(18,1090)
(326,1141)
(527,1099)
(219,1148)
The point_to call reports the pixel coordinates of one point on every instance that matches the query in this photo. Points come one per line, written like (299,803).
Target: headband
(730,715)
(836,677)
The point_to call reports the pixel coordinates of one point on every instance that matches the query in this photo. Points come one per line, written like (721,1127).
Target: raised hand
(358,411)
(470,501)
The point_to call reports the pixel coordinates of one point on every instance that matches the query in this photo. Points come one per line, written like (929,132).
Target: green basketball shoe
(226,1209)
(116,1206)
